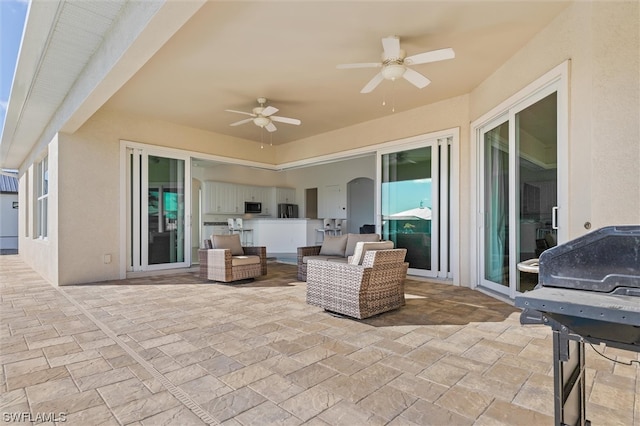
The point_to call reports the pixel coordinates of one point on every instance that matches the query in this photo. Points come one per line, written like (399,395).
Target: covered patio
(172,349)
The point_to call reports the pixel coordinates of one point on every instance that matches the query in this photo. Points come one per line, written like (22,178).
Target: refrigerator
(287,210)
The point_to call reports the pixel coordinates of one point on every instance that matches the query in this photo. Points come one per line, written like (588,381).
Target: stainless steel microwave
(252,207)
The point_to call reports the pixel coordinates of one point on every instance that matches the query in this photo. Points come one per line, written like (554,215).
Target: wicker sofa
(359,291)
(333,249)
(225,260)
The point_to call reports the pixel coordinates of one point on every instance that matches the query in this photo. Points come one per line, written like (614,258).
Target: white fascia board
(39,24)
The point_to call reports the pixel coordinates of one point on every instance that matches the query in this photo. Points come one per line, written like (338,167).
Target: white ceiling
(230,53)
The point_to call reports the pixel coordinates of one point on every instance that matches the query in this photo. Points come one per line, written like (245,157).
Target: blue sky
(407,195)
(12,15)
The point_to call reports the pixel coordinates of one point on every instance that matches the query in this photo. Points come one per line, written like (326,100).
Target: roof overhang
(73,59)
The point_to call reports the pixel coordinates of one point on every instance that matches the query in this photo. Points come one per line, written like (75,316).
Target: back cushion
(353,239)
(231,242)
(362,248)
(334,246)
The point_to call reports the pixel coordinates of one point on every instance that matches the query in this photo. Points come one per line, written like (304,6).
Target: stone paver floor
(175,350)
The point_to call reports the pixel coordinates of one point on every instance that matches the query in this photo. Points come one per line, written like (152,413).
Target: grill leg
(568,376)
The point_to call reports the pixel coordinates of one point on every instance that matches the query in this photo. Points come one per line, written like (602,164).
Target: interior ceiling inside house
(231,53)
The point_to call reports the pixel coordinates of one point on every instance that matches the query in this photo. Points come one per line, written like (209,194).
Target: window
(43,198)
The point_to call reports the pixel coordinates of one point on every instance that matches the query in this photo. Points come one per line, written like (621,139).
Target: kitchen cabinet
(285,195)
(220,197)
(229,198)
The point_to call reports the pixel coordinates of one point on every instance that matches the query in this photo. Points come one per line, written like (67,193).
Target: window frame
(42,199)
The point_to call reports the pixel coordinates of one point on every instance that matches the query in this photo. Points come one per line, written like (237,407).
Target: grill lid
(606,260)
(591,286)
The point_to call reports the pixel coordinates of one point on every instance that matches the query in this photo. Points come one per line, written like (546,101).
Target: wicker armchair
(219,264)
(359,291)
(302,266)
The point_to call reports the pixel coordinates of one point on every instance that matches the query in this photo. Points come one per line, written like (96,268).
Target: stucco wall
(90,172)
(40,254)
(602,41)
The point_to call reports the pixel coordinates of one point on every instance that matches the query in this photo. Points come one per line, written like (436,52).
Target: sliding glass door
(496,204)
(159,208)
(414,204)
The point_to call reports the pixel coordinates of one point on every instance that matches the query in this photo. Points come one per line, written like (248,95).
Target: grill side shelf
(621,309)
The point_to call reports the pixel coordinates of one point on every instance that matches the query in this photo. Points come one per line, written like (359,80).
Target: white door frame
(133,234)
(445,253)
(556,80)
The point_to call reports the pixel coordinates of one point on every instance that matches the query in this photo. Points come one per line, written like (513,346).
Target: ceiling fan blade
(270,127)
(373,83)
(360,65)
(391,46)
(286,120)
(237,123)
(432,56)
(240,112)
(269,110)
(416,78)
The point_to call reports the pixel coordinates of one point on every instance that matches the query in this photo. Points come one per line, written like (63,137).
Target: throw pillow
(363,247)
(231,242)
(334,246)
(353,239)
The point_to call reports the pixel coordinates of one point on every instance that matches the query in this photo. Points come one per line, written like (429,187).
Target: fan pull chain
(393,95)
(261,138)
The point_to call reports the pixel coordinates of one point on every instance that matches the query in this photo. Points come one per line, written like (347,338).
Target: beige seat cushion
(353,239)
(318,257)
(231,242)
(363,247)
(244,260)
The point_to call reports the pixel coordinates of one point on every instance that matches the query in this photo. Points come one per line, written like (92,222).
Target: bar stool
(328,227)
(243,233)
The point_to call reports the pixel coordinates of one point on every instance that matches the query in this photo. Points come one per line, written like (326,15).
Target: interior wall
(360,204)
(331,174)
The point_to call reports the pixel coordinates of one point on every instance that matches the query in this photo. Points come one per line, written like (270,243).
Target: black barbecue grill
(588,291)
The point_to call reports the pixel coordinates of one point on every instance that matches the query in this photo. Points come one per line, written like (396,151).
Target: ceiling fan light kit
(393,71)
(261,121)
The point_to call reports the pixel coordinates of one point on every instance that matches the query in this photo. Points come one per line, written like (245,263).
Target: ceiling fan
(263,117)
(395,64)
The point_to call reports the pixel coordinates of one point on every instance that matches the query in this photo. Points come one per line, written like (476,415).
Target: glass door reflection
(166,210)
(407,202)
